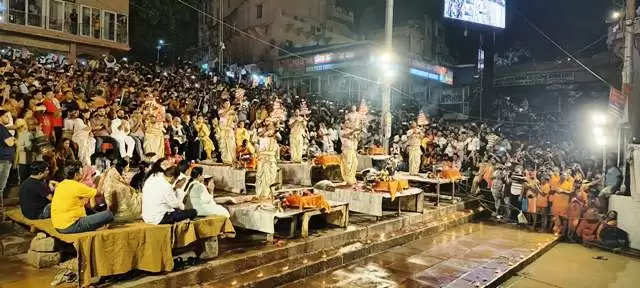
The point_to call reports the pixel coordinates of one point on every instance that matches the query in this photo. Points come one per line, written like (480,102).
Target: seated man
(68,214)
(35,194)
(244,154)
(160,204)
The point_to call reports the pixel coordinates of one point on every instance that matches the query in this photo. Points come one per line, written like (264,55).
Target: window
(56,15)
(109,26)
(86,21)
(34,10)
(71,18)
(17,9)
(259,11)
(122,29)
(96,25)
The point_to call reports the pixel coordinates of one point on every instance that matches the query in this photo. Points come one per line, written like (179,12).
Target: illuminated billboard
(485,12)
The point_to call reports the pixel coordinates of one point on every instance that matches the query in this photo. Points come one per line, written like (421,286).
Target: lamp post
(386,92)
(600,120)
(160,44)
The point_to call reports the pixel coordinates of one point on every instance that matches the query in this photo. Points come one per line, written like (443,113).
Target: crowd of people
(118,140)
(555,188)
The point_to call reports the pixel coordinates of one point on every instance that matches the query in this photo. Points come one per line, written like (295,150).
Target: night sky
(572,23)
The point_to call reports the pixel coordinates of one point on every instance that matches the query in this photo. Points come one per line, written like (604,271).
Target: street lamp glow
(389,73)
(161,42)
(598,132)
(599,118)
(615,15)
(386,57)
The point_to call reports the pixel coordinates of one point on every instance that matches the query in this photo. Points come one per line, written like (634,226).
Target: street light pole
(220,37)
(386,92)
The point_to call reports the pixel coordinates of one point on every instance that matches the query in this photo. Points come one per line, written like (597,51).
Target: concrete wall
(282,21)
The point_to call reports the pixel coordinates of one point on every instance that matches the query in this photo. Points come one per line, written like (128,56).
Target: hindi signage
(534,78)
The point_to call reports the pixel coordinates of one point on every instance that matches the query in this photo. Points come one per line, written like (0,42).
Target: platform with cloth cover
(295,173)
(130,246)
(453,177)
(262,216)
(372,202)
(225,177)
(327,167)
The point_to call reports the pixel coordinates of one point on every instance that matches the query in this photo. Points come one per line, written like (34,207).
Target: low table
(371,203)
(422,178)
(263,217)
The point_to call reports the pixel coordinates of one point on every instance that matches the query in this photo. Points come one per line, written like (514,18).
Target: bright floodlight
(389,73)
(615,15)
(386,57)
(599,118)
(598,132)
(161,42)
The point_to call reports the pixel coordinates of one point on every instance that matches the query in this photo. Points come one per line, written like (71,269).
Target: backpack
(614,237)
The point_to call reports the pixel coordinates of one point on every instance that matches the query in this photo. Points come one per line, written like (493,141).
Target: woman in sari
(226,136)
(124,201)
(415,152)
(298,126)
(268,153)
(83,137)
(203,135)
(154,115)
(349,165)
(154,138)
(199,197)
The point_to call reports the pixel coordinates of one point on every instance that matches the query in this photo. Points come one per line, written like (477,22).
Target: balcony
(338,13)
(615,38)
(65,21)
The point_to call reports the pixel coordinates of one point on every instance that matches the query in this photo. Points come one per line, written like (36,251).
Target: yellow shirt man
(67,205)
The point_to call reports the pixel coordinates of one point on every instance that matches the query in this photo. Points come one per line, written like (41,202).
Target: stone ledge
(221,269)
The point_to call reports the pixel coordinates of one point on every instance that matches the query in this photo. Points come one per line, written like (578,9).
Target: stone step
(12,244)
(363,229)
(294,268)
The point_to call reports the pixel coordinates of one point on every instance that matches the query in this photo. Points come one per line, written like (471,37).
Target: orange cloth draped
(543,196)
(451,174)
(376,151)
(310,201)
(392,187)
(326,160)
(560,204)
(488,172)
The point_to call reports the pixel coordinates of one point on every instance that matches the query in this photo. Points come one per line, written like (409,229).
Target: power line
(562,49)
(331,69)
(266,42)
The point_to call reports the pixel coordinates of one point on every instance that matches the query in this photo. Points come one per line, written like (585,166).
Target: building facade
(267,23)
(71,28)
(349,73)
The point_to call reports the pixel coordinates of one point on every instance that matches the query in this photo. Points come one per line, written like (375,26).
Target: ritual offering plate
(326,160)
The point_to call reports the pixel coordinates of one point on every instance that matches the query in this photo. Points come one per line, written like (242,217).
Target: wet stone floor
(572,265)
(466,256)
